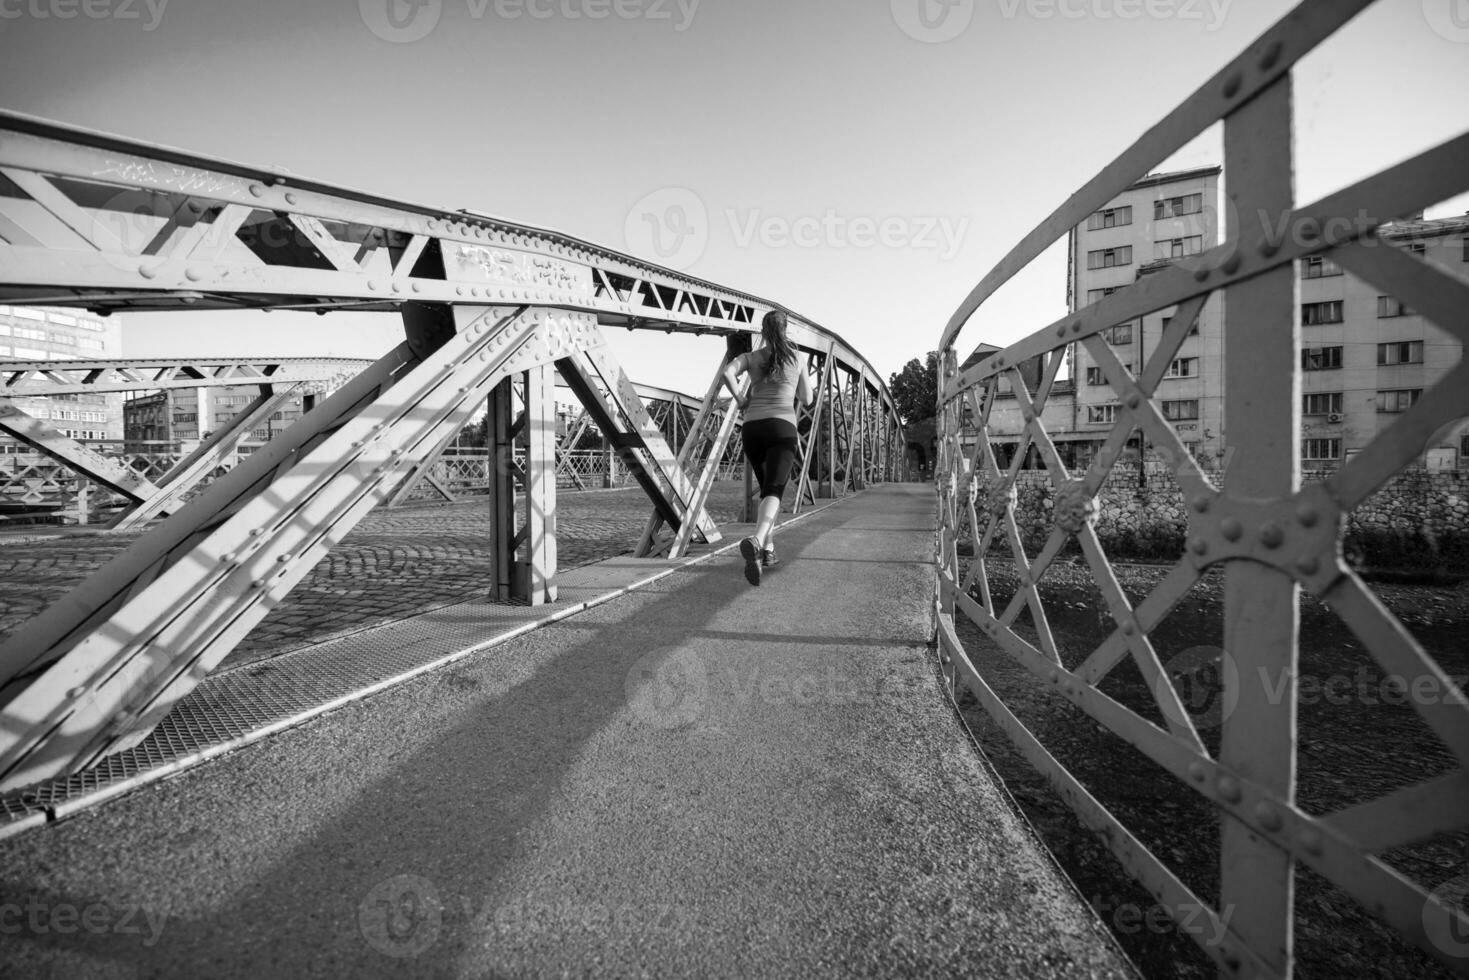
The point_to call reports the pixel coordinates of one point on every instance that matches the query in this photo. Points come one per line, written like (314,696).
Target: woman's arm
(732,372)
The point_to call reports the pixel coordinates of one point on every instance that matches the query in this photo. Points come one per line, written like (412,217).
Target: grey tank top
(772,396)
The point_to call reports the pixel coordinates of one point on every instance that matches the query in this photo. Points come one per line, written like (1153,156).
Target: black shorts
(770,446)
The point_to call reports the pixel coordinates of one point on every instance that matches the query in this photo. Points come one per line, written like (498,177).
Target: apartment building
(1365,356)
(49,334)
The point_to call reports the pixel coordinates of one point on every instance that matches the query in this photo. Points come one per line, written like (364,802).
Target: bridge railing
(1271,535)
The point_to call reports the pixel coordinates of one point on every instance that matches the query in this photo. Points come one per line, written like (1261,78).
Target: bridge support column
(533,578)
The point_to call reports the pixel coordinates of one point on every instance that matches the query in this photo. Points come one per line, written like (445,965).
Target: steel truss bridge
(491,310)
(1271,536)
(493,313)
(151,481)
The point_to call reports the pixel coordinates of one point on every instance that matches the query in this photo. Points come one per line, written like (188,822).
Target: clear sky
(859,163)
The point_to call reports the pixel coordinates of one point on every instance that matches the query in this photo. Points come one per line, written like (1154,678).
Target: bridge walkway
(699,778)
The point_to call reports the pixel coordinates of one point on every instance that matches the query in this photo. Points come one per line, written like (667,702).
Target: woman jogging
(777,376)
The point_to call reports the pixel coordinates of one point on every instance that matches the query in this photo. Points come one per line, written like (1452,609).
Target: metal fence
(1270,533)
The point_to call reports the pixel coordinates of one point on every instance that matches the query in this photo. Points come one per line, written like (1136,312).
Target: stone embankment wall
(1419,521)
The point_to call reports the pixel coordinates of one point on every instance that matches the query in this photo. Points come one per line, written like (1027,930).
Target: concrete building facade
(1365,357)
(50,334)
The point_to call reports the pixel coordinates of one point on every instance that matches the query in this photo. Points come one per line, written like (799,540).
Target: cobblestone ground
(396,563)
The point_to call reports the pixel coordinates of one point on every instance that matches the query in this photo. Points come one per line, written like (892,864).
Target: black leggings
(770,446)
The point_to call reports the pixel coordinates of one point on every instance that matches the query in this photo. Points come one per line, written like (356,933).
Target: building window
(1092,295)
(64,339)
(1397,400)
(1172,207)
(27,314)
(1177,248)
(1193,331)
(1321,358)
(1101,413)
(1177,411)
(1110,218)
(1318,267)
(1183,367)
(63,319)
(1404,352)
(1388,306)
(1095,377)
(1417,248)
(1313,314)
(1322,403)
(1108,258)
(1465,243)
(1319,449)
(1118,335)
(30,333)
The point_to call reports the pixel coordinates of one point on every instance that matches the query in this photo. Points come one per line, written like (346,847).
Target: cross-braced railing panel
(1272,537)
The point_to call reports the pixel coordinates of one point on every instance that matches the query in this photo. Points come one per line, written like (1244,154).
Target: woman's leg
(769,511)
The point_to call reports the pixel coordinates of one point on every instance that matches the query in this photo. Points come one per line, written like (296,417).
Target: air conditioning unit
(1334,417)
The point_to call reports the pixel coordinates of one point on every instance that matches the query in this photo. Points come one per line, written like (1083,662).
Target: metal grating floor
(239,705)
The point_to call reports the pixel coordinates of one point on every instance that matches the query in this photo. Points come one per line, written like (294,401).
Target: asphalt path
(699,779)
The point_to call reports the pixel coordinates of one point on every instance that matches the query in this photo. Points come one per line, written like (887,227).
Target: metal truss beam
(39,378)
(702,432)
(94,466)
(151,228)
(612,400)
(97,670)
(205,460)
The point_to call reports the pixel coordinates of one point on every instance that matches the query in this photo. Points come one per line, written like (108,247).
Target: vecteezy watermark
(832,230)
(676,690)
(401,916)
(1208,682)
(1209,12)
(670,225)
(40,918)
(405,916)
(667,689)
(1446,917)
(1449,19)
(1129,919)
(405,21)
(131,10)
(933,21)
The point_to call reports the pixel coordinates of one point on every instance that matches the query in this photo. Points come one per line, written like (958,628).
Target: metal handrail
(1272,534)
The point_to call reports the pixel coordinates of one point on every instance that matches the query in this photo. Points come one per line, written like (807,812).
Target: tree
(915,389)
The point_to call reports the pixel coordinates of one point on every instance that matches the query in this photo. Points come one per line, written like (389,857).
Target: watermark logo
(401,21)
(401,916)
(150,12)
(1446,921)
(667,690)
(39,918)
(832,230)
(1449,19)
(1206,679)
(405,21)
(1130,918)
(669,225)
(933,21)
(1211,13)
